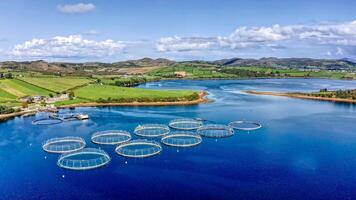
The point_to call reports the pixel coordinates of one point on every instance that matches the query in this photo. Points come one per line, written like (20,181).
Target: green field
(192,71)
(298,73)
(69,102)
(57,84)
(96,92)
(5,96)
(20,88)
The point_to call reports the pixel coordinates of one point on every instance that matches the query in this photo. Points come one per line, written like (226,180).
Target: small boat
(82,117)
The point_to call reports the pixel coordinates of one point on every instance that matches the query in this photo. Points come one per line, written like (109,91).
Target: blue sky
(176,29)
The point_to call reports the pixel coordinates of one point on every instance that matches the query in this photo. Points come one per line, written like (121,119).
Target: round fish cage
(111,137)
(182,139)
(245,125)
(47,121)
(139,149)
(215,131)
(87,158)
(185,124)
(151,130)
(63,144)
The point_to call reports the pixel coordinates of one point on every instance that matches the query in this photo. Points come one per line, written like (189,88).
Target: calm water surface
(305,150)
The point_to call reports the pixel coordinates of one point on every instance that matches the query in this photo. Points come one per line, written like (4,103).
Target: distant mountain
(144,62)
(349,60)
(330,64)
(118,67)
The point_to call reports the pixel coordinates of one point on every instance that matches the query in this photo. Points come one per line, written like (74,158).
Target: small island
(345,96)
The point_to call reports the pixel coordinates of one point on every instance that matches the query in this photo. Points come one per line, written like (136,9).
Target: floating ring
(111,137)
(74,162)
(182,139)
(185,124)
(139,149)
(215,131)
(151,130)
(63,144)
(239,125)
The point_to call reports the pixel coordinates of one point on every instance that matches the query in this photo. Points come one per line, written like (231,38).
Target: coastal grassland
(71,101)
(127,81)
(274,72)
(192,72)
(341,94)
(20,88)
(56,83)
(228,72)
(109,93)
(5,96)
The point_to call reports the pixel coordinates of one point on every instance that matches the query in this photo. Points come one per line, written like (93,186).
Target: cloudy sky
(109,31)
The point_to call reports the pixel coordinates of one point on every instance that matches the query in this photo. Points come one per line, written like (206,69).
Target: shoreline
(201,99)
(301,96)
(4,117)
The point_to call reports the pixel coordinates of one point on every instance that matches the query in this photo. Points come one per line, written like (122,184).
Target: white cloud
(339,51)
(185,44)
(343,34)
(76,8)
(72,46)
(92,32)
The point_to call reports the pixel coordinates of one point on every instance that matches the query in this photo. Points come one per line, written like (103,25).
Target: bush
(70,95)
(24,104)
(6,110)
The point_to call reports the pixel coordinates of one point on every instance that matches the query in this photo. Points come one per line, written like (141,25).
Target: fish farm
(139,149)
(245,125)
(63,144)
(215,131)
(87,158)
(111,137)
(185,124)
(152,130)
(59,118)
(76,157)
(182,139)
(46,121)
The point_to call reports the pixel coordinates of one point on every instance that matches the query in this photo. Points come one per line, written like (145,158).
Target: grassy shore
(310,96)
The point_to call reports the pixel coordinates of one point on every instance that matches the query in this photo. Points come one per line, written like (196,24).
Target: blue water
(305,150)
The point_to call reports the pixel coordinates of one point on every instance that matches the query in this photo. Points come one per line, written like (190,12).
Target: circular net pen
(87,158)
(111,137)
(185,124)
(47,121)
(139,149)
(182,139)
(152,130)
(215,131)
(245,125)
(63,144)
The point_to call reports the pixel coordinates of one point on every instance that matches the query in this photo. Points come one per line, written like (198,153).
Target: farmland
(56,84)
(20,88)
(98,92)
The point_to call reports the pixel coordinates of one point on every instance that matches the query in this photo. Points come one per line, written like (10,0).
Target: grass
(192,71)
(5,96)
(57,84)
(20,88)
(297,73)
(95,92)
(69,102)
